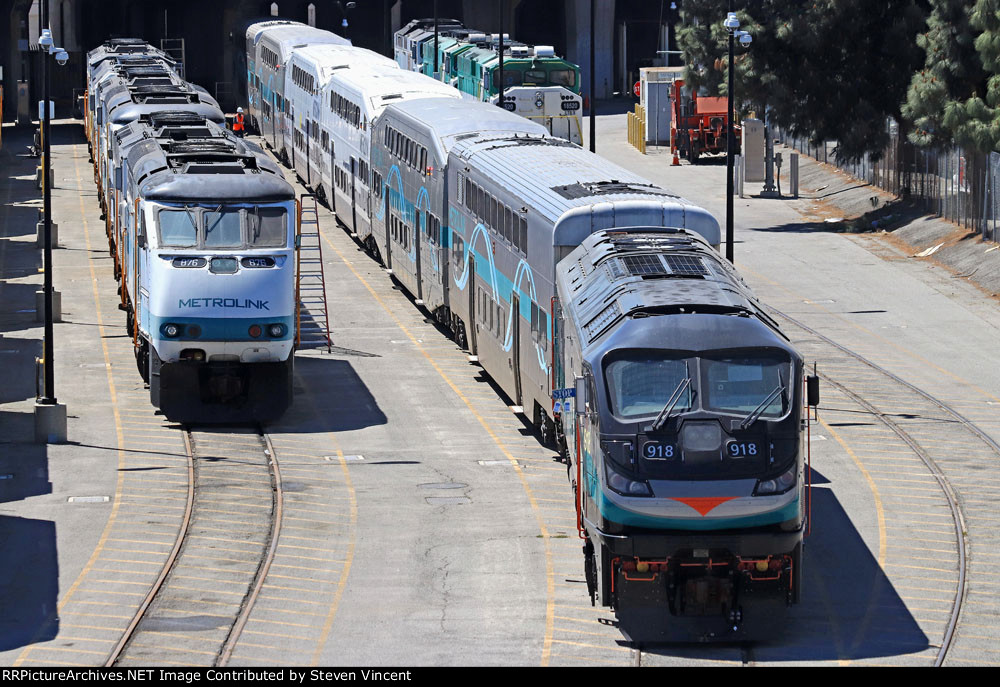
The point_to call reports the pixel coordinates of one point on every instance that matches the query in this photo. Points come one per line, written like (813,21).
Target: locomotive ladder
(312,319)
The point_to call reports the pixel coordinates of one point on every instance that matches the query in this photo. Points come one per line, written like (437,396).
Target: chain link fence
(951,183)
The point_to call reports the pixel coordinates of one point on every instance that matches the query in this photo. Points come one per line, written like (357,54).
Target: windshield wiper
(671,402)
(756,412)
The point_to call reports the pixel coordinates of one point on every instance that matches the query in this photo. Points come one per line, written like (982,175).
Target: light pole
(50,417)
(593,97)
(732,25)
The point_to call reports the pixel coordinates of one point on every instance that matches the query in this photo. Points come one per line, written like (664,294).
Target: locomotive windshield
(741,384)
(563,77)
(223,227)
(642,384)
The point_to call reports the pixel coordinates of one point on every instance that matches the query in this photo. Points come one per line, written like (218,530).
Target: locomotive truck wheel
(796,574)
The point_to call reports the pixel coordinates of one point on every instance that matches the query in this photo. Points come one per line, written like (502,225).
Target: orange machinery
(699,124)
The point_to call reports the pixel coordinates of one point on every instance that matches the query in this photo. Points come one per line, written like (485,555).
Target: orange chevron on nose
(704,504)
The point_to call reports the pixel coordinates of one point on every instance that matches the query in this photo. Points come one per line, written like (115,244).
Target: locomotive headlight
(276,330)
(171,331)
(778,485)
(626,486)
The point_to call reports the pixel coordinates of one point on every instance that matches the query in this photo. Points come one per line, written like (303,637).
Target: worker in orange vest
(238,127)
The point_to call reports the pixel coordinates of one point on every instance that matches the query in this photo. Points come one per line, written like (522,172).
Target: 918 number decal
(743,449)
(654,450)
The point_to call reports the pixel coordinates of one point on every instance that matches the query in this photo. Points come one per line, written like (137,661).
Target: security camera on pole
(732,25)
(50,416)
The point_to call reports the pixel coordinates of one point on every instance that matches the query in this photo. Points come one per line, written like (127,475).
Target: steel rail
(942,480)
(168,565)
(265,564)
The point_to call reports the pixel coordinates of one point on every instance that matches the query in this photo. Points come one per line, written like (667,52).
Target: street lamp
(50,416)
(732,25)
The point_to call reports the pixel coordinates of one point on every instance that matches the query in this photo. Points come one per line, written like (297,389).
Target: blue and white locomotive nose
(225,297)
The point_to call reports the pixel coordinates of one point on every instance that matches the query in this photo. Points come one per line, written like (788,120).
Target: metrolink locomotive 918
(563,274)
(684,440)
(201,226)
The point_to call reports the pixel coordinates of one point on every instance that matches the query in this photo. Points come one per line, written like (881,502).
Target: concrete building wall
(578,43)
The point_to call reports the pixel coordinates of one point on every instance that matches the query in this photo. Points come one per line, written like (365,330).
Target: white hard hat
(239,109)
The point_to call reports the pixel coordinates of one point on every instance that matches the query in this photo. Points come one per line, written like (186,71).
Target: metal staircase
(312,319)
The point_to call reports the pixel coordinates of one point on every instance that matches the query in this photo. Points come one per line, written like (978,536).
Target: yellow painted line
(165,613)
(70,638)
(285,599)
(300,567)
(920,567)
(88,590)
(117,630)
(170,648)
(96,615)
(72,650)
(139,541)
(302,579)
(277,634)
(592,646)
(880,516)
(203,590)
(306,548)
(585,632)
(201,537)
(587,659)
(547,642)
(59,663)
(587,621)
(312,558)
(293,611)
(272,647)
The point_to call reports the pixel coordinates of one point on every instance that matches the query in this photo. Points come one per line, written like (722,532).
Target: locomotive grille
(602,321)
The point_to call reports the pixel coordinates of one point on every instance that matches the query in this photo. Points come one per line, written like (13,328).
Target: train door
(354,200)
(419,230)
(274,118)
(471,286)
(515,309)
(308,147)
(333,176)
(388,238)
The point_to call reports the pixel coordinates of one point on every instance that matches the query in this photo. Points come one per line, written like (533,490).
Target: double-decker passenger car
(269,46)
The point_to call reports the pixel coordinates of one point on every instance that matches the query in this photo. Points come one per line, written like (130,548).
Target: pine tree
(975,123)
(944,93)
(826,69)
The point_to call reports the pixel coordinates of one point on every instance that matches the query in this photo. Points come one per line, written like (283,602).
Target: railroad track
(195,611)
(952,448)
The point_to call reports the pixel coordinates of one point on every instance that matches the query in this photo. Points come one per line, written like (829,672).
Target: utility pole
(500,54)
(387,28)
(593,81)
(729,145)
(49,387)
(50,416)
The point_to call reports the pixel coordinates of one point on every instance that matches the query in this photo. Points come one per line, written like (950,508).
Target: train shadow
(329,397)
(29,582)
(849,608)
